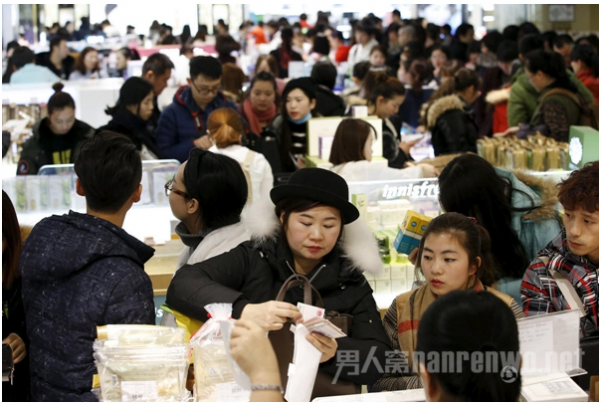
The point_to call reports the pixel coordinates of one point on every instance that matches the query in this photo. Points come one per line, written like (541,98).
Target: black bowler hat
(321,186)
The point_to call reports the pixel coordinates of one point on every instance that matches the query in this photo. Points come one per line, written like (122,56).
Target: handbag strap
(300,280)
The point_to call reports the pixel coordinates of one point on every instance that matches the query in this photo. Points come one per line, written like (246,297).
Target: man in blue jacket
(80,271)
(182,125)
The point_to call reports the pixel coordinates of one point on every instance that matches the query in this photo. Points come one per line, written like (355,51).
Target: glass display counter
(383,205)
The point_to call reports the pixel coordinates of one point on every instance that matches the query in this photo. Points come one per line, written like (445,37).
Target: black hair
(492,41)
(219,185)
(447,27)
(469,322)
(433,32)
(550,63)
(561,40)
(303,16)
(366,26)
(22,56)
(530,43)
(207,66)
(109,168)
(511,33)
(507,51)
(550,36)
(442,48)
(474,47)
(126,52)
(463,29)
(587,55)
(59,100)
(528,28)
(324,73)
(396,13)
(12,45)
(360,70)
(55,41)
(132,92)
(393,27)
(470,185)
(593,40)
(157,63)
(321,45)
(414,49)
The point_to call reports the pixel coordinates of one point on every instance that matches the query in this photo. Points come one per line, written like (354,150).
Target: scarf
(300,121)
(409,312)
(256,117)
(190,240)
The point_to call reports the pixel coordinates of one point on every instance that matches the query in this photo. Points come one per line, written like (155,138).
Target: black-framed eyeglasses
(169,188)
(202,90)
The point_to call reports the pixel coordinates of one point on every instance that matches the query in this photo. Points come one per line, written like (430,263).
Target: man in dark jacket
(58,59)
(324,75)
(464,35)
(157,70)
(80,271)
(182,125)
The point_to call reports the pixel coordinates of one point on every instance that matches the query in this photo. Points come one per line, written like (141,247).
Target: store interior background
(30,20)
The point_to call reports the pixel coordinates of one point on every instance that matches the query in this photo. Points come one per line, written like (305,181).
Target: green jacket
(523,98)
(35,154)
(557,128)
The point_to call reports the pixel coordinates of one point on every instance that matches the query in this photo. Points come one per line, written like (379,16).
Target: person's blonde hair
(225,127)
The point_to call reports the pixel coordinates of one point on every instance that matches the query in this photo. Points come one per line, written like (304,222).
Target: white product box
(385,275)
(373,216)
(398,272)
(383,286)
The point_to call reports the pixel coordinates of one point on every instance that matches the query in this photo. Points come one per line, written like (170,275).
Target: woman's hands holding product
(271,316)
(508,132)
(17,345)
(327,346)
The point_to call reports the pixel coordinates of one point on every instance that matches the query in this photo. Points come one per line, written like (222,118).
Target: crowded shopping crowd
(265,224)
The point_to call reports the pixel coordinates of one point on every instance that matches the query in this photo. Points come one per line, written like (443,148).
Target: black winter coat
(254,273)
(453,129)
(78,272)
(329,104)
(391,137)
(126,123)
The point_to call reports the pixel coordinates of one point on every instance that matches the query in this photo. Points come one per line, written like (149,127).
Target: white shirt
(359,53)
(261,174)
(357,171)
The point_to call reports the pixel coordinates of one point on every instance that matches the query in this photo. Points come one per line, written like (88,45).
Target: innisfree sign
(411,190)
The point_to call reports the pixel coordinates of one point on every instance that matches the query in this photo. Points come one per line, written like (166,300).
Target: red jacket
(341,55)
(591,82)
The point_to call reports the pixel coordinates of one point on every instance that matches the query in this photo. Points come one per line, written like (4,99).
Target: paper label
(560,387)
(228,392)
(139,391)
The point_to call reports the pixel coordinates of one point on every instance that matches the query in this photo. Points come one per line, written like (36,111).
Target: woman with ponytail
(478,337)
(285,54)
(449,114)
(131,114)
(454,254)
(560,102)
(225,130)
(384,95)
(56,138)
(584,61)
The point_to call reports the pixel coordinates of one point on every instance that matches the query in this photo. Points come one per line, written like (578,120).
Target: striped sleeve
(394,380)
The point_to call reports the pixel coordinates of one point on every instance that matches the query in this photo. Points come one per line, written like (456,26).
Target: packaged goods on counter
(215,380)
(537,153)
(141,363)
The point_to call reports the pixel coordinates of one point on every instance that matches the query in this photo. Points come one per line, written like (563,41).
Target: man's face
(582,232)
(62,49)
(159,82)
(565,52)
(204,89)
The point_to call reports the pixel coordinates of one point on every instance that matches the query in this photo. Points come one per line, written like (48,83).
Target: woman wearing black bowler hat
(312,230)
